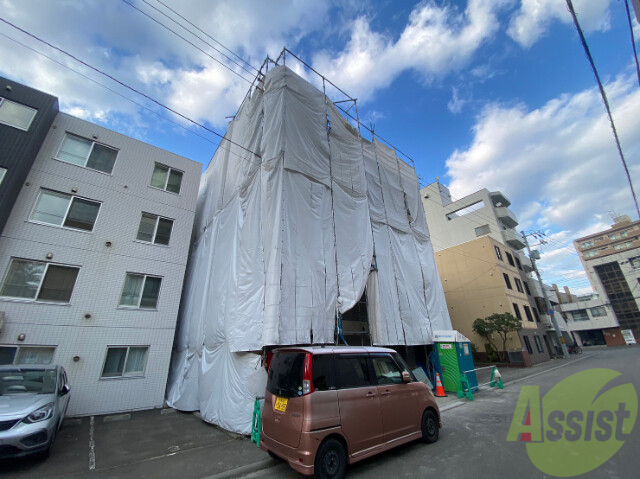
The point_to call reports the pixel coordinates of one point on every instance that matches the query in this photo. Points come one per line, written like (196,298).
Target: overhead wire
(604,100)
(125,85)
(188,41)
(633,40)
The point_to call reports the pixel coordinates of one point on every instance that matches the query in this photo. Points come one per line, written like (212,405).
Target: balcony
(513,238)
(506,216)
(499,199)
(527,266)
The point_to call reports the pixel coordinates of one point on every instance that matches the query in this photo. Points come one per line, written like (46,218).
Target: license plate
(281,404)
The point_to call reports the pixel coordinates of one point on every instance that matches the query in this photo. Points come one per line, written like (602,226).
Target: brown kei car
(328,406)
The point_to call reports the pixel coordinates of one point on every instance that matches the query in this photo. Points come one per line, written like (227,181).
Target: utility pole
(547,303)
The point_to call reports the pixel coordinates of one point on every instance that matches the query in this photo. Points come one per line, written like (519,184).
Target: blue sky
(493,94)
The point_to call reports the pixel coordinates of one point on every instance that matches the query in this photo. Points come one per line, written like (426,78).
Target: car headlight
(41,414)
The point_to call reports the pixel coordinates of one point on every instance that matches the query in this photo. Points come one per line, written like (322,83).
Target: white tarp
(283,242)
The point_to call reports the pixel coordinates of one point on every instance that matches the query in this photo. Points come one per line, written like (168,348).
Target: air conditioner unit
(1,320)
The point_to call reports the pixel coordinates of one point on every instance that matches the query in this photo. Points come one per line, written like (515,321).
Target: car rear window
(285,374)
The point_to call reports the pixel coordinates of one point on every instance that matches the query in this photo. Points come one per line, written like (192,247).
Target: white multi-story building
(92,261)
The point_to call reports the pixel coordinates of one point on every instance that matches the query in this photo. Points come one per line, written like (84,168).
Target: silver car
(33,403)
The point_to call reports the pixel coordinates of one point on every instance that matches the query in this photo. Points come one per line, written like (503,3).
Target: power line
(633,40)
(97,70)
(605,101)
(209,36)
(189,42)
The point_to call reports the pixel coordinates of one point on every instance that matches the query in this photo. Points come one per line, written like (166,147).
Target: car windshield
(27,381)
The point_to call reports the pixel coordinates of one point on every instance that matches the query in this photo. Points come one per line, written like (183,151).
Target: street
(472,440)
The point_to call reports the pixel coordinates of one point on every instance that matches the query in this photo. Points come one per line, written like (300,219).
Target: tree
(498,323)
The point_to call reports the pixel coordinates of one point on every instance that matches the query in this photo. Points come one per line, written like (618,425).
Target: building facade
(25,117)
(92,261)
(482,268)
(611,259)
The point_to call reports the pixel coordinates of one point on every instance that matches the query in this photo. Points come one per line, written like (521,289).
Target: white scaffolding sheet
(285,241)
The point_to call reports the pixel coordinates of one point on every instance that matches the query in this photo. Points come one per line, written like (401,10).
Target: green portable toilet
(454,352)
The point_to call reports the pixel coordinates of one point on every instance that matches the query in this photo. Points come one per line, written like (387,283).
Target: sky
(494,94)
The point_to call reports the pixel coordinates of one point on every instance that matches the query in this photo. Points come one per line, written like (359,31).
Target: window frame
(42,279)
(144,282)
(498,253)
(125,375)
(86,160)
(155,229)
(527,313)
(34,110)
(507,280)
(527,344)
(510,259)
(72,197)
(539,345)
(387,357)
(519,285)
(482,230)
(19,347)
(598,308)
(339,371)
(516,309)
(526,288)
(536,314)
(166,181)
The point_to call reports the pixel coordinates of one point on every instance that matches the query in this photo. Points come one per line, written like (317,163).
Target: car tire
(430,427)
(331,460)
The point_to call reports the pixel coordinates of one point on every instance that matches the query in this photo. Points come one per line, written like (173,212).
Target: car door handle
(370,394)
(385,393)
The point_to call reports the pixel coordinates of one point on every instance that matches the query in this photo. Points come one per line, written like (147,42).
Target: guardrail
(464,388)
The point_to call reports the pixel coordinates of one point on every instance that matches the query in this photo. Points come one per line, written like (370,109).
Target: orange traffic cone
(439,389)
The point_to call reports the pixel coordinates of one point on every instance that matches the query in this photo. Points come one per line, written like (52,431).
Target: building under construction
(305,233)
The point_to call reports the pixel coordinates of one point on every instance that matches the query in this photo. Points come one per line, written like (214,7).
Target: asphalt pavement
(168,443)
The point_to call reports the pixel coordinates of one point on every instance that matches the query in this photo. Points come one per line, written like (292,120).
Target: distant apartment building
(25,117)
(92,261)
(611,259)
(482,268)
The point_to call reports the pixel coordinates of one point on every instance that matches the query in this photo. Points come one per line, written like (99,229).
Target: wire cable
(605,100)
(183,38)
(111,77)
(633,40)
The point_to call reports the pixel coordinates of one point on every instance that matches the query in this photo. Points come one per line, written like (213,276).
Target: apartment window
(626,244)
(635,262)
(69,211)
(140,291)
(507,280)
(536,315)
(591,254)
(517,311)
(616,236)
(166,178)
(125,361)
(154,229)
(598,311)
(483,230)
(3,171)
(498,253)
(26,354)
(39,281)
(538,344)
(519,286)
(16,115)
(527,343)
(580,315)
(527,313)
(587,244)
(519,264)
(509,258)
(86,153)
(526,287)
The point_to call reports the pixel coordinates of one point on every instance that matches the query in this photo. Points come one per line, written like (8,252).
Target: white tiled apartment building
(92,261)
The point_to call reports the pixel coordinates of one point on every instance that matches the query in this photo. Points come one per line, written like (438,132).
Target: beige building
(482,269)
(611,259)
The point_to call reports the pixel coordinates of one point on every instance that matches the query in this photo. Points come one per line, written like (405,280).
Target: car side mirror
(65,390)
(406,377)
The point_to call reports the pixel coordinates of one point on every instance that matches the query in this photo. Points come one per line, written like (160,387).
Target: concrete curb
(246,469)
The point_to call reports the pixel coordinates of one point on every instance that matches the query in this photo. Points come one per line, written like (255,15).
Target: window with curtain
(125,361)
(141,291)
(39,280)
(69,211)
(154,229)
(16,115)
(86,153)
(166,178)
(35,355)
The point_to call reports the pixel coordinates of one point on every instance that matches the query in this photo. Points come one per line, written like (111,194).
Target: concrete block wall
(104,257)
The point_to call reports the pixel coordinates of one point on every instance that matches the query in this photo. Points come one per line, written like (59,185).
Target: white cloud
(558,164)
(533,18)
(456,103)
(437,40)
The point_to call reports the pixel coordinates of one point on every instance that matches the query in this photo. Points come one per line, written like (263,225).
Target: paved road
(473,439)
